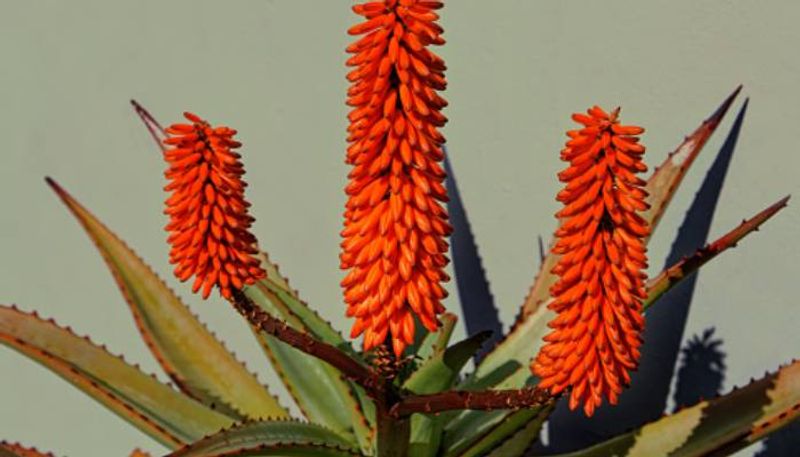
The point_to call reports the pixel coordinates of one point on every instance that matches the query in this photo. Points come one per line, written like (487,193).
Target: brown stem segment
(463,399)
(349,367)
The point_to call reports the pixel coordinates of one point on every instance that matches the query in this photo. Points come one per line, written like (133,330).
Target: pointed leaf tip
(719,113)
(189,353)
(153,126)
(155,408)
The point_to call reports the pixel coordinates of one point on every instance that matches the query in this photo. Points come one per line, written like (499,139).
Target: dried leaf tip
(209,222)
(598,330)
(395,225)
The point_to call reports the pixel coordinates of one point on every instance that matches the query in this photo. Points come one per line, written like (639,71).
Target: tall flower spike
(209,224)
(395,225)
(596,336)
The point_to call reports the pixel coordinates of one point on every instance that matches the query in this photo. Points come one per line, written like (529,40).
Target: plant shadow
(702,370)
(477,303)
(646,399)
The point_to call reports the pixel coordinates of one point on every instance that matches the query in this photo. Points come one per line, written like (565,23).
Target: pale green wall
(274,70)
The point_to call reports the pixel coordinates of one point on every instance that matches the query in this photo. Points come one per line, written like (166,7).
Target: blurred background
(274,70)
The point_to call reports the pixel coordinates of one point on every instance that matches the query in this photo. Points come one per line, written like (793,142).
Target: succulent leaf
(320,328)
(504,368)
(435,342)
(288,298)
(665,280)
(521,440)
(441,370)
(284,438)
(189,353)
(720,426)
(438,373)
(156,409)
(9,449)
(484,432)
(661,187)
(319,390)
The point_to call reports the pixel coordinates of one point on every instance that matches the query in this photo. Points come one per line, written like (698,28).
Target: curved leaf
(438,373)
(9,449)
(288,299)
(320,391)
(284,438)
(195,360)
(435,342)
(720,426)
(506,367)
(661,187)
(156,409)
(441,370)
(524,341)
(521,440)
(667,279)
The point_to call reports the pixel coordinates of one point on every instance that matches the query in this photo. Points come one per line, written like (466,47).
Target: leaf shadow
(646,399)
(477,303)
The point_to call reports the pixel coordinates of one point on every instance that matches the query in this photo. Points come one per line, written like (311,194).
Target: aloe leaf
(435,342)
(665,280)
(441,370)
(507,366)
(319,390)
(489,430)
(314,324)
(151,124)
(156,409)
(524,341)
(438,373)
(196,361)
(288,298)
(264,438)
(509,437)
(522,439)
(9,449)
(661,187)
(720,426)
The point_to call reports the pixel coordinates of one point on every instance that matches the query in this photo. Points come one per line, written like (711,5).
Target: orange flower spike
(596,336)
(209,224)
(395,226)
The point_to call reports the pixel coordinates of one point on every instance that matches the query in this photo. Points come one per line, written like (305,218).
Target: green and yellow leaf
(267,438)
(9,449)
(715,427)
(319,390)
(156,409)
(191,355)
(436,342)
(506,367)
(438,373)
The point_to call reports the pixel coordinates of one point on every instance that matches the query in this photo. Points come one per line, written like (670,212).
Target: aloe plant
(405,391)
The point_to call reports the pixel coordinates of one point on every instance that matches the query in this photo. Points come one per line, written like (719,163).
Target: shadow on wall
(702,362)
(477,302)
(702,370)
(646,399)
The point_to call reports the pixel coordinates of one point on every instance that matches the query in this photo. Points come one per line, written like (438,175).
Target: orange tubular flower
(209,224)
(395,225)
(596,336)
